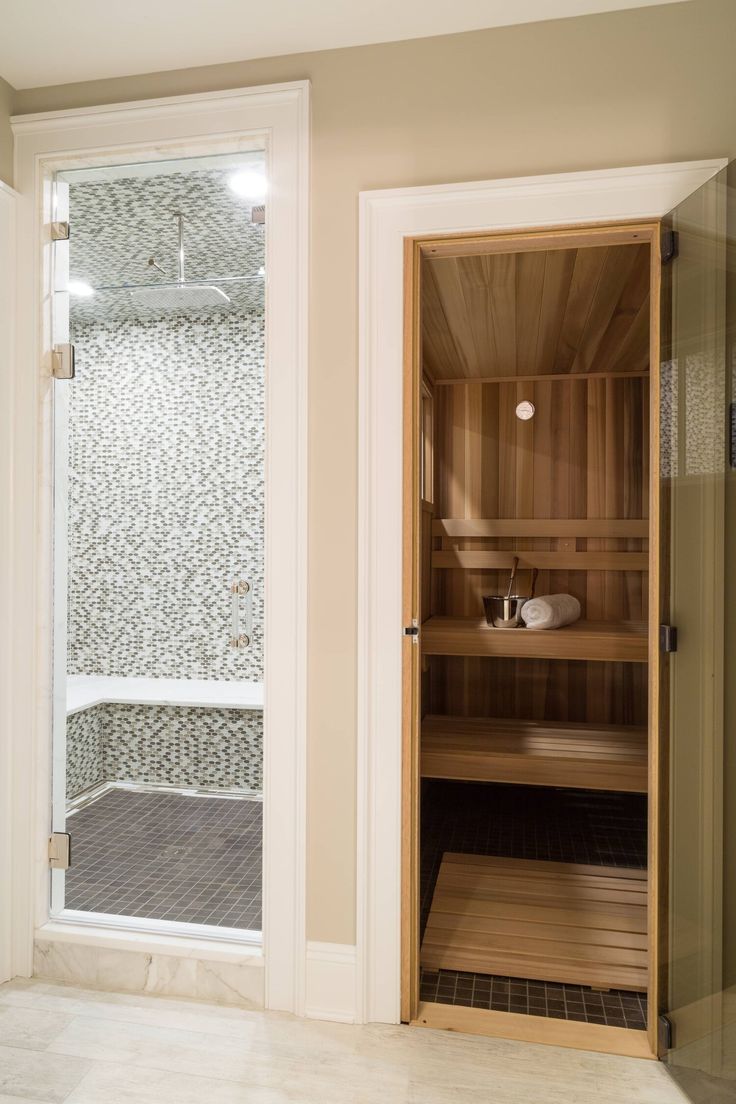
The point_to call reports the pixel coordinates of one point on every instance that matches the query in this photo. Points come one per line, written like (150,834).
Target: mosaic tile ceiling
(117,225)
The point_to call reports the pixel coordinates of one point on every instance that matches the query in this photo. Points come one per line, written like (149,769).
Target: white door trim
(277,116)
(386,218)
(8,920)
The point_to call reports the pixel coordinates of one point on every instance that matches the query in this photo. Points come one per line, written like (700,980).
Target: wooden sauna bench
(622,641)
(561,922)
(535,753)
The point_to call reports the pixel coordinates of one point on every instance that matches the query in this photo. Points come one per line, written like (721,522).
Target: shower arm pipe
(178,283)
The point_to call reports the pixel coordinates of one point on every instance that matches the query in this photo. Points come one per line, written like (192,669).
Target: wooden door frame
(388,220)
(560,1032)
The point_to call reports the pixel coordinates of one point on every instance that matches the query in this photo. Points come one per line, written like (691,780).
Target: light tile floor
(61,1044)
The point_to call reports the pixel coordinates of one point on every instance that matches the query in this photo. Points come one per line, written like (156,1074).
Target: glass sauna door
(698,598)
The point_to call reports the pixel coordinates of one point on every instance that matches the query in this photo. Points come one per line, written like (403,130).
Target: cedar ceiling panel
(632,306)
(536,313)
(439,350)
(583,287)
(559,266)
(611,293)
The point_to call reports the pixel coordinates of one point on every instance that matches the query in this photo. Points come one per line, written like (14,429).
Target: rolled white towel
(550,611)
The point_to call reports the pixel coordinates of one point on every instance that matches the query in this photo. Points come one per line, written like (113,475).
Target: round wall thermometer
(525,411)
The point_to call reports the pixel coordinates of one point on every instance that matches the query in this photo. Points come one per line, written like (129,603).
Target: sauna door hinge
(60,851)
(412,630)
(59,231)
(665,1034)
(667,638)
(62,361)
(668,245)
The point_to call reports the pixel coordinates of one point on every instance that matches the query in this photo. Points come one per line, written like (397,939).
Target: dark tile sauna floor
(162,856)
(526,822)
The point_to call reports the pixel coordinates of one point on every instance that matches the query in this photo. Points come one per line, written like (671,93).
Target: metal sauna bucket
(504,612)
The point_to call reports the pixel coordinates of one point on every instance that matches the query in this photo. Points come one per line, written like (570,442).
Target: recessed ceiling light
(249,184)
(80,287)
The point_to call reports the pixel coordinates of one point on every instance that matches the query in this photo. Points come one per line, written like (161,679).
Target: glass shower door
(698,513)
(60,337)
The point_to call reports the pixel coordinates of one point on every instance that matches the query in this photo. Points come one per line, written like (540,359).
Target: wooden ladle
(514,566)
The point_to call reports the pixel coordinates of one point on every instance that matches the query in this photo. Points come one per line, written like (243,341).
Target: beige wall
(6,136)
(639,86)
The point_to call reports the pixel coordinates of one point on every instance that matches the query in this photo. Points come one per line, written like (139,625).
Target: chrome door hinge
(62,361)
(60,231)
(412,630)
(60,851)
(667,638)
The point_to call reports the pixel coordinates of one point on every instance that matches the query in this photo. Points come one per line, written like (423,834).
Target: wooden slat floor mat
(549,921)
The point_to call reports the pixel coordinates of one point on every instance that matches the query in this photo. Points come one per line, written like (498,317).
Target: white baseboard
(330,982)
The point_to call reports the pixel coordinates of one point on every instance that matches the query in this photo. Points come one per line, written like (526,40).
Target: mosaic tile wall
(84,750)
(212,748)
(166,475)
(166,495)
(220,748)
(166,431)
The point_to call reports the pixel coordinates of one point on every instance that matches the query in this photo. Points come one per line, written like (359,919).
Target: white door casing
(276,116)
(8,919)
(387,217)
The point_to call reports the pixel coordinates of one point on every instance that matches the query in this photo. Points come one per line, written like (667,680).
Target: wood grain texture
(549,561)
(583,756)
(540,238)
(611,528)
(559,311)
(566,492)
(562,922)
(571,480)
(548,377)
(562,319)
(625,641)
(534,1029)
(536,689)
(410,661)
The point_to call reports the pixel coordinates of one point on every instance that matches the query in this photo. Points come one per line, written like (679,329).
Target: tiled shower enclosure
(165,481)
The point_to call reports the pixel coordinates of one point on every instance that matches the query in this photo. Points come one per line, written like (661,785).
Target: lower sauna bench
(535,753)
(546,921)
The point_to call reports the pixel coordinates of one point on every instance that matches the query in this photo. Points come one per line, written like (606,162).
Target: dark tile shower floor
(168,856)
(527,822)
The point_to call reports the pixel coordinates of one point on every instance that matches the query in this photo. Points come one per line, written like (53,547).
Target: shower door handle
(241,589)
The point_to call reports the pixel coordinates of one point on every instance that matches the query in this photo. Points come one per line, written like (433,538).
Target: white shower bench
(85,691)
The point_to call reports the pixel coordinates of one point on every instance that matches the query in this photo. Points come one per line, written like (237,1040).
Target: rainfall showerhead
(180,295)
